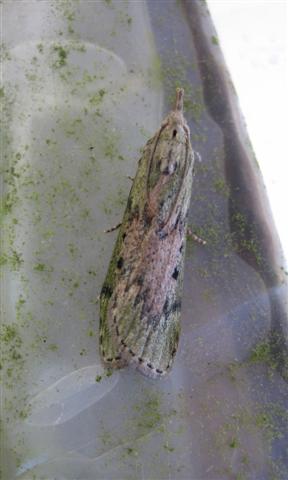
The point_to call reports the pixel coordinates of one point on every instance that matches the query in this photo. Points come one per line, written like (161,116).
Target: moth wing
(148,344)
(109,348)
(146,340)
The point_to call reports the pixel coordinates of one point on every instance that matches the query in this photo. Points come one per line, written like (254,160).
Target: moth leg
(198,156)
(113,228)
(195,237)
(130,178)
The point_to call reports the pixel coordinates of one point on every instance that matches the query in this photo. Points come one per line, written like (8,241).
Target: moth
(140,300)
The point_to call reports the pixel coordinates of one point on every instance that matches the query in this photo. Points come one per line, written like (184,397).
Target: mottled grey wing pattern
(141,297)
(110,347)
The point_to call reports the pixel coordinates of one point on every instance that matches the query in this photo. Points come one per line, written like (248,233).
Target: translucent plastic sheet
(86,83)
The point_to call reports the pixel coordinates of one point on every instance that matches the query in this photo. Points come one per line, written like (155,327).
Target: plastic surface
(85,85)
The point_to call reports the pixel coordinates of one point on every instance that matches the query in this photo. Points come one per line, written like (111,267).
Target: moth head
(170,164)
(172,143)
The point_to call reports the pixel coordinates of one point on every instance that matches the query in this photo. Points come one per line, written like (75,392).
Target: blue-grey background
(85,84)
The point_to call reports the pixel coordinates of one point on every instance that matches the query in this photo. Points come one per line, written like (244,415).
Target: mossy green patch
(132,452)
(5,52)
(96,99)
(244,237)
(40,47)
(262,353)
(214,40)
(19,307)
(221,187)
(178,76)
(12,259)
(73,250)
(155,74)
(260,420)
(39,267)
(66,8)
(62,56)
(149,412)
(168,447)
(271,352)
(8,201)
(11,354)
(251,246)
(24,413)
(240,222)
(8,333)
(234,443)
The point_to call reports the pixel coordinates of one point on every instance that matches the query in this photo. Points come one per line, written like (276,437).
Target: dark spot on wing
(162,234)
(146,216)
(177,221)
(154,320)
(141,296)
(138,299)
(140,280)
(106,291)
(120,263)
(134,213)
(175,273)
(129,203)
(176,306)
(167,309)
(166,305)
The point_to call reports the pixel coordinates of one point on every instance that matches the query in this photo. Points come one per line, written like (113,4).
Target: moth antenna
(179,99)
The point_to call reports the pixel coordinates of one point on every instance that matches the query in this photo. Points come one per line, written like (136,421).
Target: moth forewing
(140,300)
